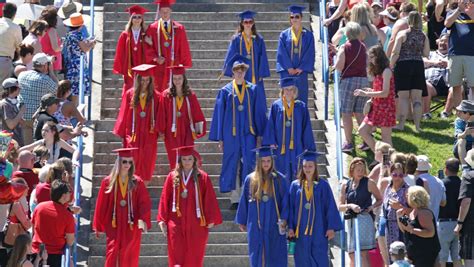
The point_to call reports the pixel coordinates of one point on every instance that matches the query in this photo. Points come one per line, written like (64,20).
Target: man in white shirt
(436,186)
(10,36)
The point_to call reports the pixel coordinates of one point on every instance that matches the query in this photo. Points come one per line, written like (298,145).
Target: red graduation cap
(125,152)
(165,3)
(144,69)
(136,10)
(187,151)
(179,69)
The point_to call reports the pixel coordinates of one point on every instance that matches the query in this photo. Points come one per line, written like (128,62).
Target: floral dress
(383,112)
(72,59)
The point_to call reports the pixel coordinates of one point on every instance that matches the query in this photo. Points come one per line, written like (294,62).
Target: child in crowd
(397,254)
(463,130)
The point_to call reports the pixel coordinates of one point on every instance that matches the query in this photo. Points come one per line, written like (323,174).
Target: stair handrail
(91,57)
(325,57)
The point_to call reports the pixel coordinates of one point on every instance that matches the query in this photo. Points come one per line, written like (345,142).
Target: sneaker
(347,148)
(444,115)
(363,147)
(427,116)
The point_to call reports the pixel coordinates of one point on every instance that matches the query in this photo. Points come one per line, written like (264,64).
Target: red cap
(125,152)
(179,69)
(165,3)
(136,10)
(144,69)
(187,151)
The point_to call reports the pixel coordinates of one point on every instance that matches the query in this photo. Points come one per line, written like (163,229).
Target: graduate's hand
(299,71)
(75,209)
(142,226)
(210,225)
(243,228)
(330,234)
(291,233)
(163,228)
(221,146)
(291,71)
(148,40)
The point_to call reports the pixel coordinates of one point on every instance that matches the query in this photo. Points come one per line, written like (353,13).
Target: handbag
(367,107)
(11,231)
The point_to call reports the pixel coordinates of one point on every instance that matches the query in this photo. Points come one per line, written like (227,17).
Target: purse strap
(353,60)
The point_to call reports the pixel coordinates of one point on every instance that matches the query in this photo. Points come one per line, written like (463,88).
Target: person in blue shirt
(288,129)
(263,213)
(239,118)
(314,217)
(248,43)
(295,52)
(463,130)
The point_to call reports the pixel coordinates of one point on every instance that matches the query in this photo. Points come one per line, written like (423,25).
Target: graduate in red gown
(188,208)
(137,121)
(183,120)
(130,51)
(167,45)
(122,212)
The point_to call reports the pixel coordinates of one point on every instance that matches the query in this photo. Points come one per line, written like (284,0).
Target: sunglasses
(400,175)
(136,17)
(295,17)
(127,162)
(248,22)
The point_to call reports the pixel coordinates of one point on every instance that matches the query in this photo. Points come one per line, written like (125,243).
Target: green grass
(435,141)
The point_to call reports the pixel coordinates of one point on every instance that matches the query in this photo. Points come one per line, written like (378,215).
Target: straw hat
(68,8)
(76,20)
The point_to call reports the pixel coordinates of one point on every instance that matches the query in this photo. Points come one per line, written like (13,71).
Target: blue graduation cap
(295,9)
(236,61)
(264,151)
(287,81)
(247,14)
(308,155)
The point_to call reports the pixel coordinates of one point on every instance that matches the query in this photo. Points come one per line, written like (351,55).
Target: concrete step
(155,191)
(213,43)
(162,261)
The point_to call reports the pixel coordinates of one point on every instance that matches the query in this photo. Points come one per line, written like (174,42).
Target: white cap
(397,248)
(423,163)
(42,59)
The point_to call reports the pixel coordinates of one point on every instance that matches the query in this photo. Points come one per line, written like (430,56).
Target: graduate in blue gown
(288,129)
(295,52)
(263,213)
(238,119)
(314,217)
(248,43)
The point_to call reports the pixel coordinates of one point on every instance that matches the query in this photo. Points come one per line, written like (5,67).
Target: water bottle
(291,246)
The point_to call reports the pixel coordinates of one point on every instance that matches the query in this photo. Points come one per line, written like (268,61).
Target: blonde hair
(258,178)
(383,147)
(414,20)
(417,197)
(361,14)
(288,87)
(352,31)
(114,173)
(357,161)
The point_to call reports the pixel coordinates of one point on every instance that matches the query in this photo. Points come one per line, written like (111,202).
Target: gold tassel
(114,222)
(194,136)
(234,131)
(178,212)
(283,149)
(291,144)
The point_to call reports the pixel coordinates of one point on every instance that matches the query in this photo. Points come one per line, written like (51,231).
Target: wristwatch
(460,222)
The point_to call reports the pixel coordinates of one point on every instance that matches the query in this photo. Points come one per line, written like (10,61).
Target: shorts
(410,74)
(460,67)
(448,240)
(455,148)
(349,102)
(442,89)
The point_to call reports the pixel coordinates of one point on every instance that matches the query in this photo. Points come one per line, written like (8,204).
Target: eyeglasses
(248,22)
(295,17)
(136,17)
(127,162)
(400,175)
(45,130)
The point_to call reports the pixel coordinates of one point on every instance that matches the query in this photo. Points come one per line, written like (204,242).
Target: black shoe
(234,206)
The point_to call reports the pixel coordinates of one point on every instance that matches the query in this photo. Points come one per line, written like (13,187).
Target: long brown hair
(56,172)
(240,29)
(186,90)
(301,176)
(381,60)
(258,178)
(178,170)
(115,172)
(128,27)
(137,88)
(20,248)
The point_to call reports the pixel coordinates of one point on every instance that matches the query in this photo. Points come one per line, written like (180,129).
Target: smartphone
(41,249)
(385,159)
(441,174)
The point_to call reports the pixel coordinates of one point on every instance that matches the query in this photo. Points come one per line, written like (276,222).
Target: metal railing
(325,56)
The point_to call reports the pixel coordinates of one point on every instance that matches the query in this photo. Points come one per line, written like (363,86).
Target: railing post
(91,58)
(325,58)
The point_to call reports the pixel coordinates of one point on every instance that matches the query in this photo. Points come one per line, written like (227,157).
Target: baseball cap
(42,59)
(397,248)
(9,83)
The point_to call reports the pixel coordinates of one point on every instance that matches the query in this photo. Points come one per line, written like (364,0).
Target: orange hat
(125,152)
(178,70)
(165,3)
(144,69)
(187,151)
(136,10)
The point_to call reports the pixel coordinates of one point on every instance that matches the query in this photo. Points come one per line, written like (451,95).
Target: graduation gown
(312,250)
(187,239)
(128,54)
(238,148)
(266,246)
(145,141)
(182,53)
(304,59)
(287,163)
(184,134)
(123,243)
(259,68)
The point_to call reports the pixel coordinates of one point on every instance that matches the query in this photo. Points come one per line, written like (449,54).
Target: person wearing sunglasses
(248,43)
(122,211)
(130,50)
(394,198)
(296,52)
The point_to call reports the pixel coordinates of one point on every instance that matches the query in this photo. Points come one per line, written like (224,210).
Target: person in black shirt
(448,215)
(465,224)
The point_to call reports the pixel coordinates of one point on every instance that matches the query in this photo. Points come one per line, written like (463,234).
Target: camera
(349,214)
(404,220)
(386,159)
